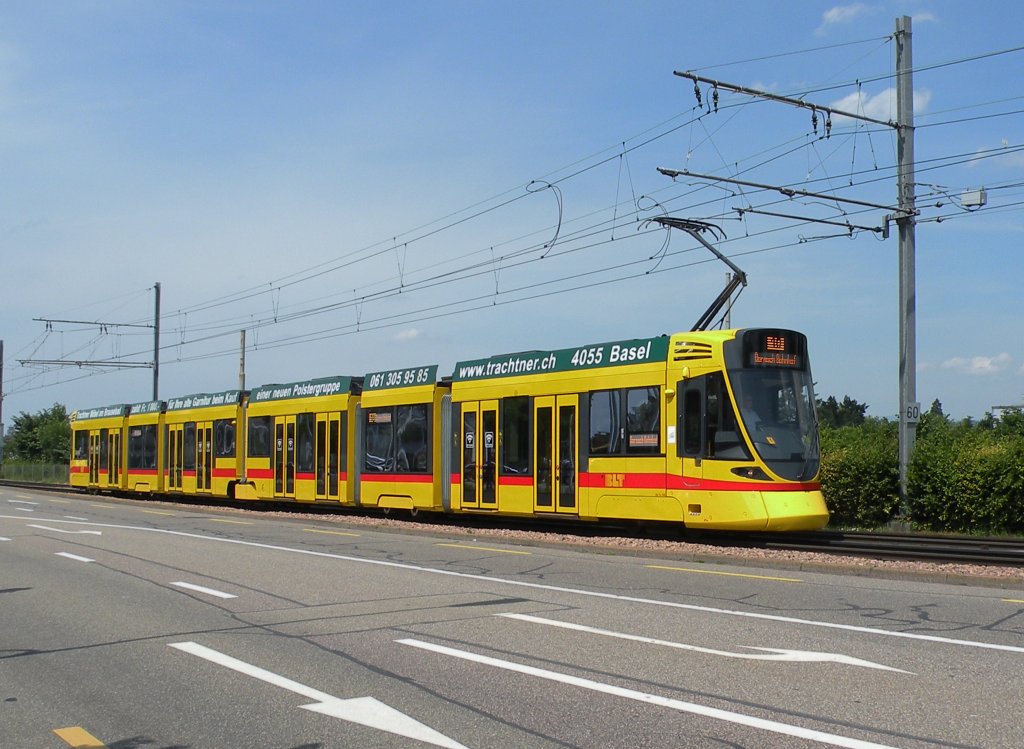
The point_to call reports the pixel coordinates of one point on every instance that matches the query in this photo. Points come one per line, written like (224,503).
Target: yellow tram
(201,443)
(709,429)
(402,435)
(145,436)
(98,448)
(646,429)
(300,441)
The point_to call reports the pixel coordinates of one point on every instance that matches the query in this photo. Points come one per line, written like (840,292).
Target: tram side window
(625,422)
(515,436)
(722,439)
(605,423)
(305,443)
(104,447)
(643,420)
(342,443)
(379,442)
(691,423)
(397,439)
(260,441)
(82,445)
(142,447)
(150,445)
(224,438)
(411,431)
(189,441)
(135,447)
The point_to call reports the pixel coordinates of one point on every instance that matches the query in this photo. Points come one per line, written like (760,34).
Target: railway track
(919,547)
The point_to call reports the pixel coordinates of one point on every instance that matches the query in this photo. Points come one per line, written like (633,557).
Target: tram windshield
(777,408)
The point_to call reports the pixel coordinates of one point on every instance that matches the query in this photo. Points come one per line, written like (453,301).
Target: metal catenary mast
(904,215)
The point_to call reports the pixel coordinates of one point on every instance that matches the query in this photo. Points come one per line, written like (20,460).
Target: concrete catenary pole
(241,360)
(156,343)
(910,409)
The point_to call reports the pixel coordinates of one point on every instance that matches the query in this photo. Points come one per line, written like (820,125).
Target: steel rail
(921,547)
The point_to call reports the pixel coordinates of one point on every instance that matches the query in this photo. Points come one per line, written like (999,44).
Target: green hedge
(963,478)
(968,481)
(860,474)
(43,473)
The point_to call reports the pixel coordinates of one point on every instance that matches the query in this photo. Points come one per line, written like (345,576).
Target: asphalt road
(128,624)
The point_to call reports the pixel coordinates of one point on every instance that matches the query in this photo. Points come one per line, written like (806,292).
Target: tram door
(204,456)
(96,439)
(480,454)
(114,463)
(692,417)
(328,455)
(284,456)
(554,438)
(175,456)
(104,453)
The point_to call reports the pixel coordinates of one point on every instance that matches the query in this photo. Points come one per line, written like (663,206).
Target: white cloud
(1012,159)
(881,106)
(840,14)
(762,86)
(978,365)
(409,334)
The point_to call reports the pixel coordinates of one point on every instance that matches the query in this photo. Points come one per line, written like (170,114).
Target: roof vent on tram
(691,351)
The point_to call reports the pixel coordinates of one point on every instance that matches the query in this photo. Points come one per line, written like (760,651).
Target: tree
(43,437)
(1011,422)
(933,421)
(834,414)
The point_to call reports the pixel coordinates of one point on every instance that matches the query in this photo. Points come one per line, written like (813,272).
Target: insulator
(714,98)
(814,120)
(696,92)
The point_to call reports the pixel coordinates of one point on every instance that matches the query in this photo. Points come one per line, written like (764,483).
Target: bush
(966,479)
(42,473)
(860,473)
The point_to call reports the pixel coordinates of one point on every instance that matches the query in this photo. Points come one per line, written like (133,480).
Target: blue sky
(364,186)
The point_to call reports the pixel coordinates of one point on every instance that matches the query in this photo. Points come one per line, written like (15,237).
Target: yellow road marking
(484,548)
(61,501)
(236,522)
(158,512)
(109,507)
(333,533)
(23,496)
(727,574)
(1012,600)
(79,738)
